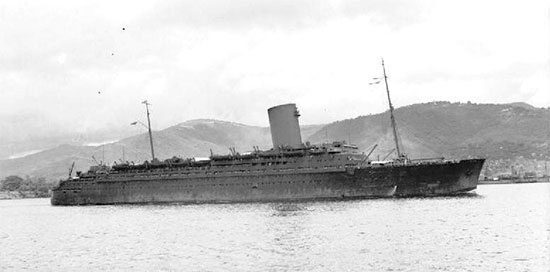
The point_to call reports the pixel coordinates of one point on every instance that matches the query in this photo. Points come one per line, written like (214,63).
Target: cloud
(232,60)
(284,14)
(535,89)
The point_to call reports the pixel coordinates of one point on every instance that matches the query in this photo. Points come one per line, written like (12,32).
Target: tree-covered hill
(502,133)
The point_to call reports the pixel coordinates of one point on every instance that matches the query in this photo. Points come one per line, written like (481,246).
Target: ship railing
(428,159)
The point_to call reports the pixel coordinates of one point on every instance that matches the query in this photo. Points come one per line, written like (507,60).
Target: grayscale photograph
(275,135)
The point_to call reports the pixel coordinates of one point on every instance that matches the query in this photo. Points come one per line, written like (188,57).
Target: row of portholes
(148,178)
(214,173)
(218,184)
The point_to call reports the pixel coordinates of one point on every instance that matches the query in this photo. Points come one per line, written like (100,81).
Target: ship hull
(373,181)
(304,185)
(438,179)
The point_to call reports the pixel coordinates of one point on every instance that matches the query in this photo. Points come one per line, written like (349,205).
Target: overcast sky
(82,65)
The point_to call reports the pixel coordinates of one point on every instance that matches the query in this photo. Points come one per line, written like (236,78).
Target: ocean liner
(291,170)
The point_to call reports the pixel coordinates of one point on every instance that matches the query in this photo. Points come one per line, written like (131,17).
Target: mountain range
(498,132)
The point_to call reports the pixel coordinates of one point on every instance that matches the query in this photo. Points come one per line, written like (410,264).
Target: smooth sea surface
(499,228)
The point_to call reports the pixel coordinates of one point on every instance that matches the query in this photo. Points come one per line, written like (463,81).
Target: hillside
(505,134)
(193,138)
(454,130)
(513,137)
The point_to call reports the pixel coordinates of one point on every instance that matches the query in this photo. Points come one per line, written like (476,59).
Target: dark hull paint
(372,181)
(438,179)
(337,183)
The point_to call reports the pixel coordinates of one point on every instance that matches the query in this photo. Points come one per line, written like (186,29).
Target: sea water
(497,228)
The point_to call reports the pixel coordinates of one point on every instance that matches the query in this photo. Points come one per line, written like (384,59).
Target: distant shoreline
(513,181)
(22,194)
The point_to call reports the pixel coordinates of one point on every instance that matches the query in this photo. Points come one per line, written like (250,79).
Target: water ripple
(498,228)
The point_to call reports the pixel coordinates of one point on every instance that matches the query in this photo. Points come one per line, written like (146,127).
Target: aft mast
(149,127)
(392,117)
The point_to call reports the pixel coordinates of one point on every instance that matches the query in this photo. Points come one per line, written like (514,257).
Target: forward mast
(392,117)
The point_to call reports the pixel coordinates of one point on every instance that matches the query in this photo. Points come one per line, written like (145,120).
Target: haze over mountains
(454,130)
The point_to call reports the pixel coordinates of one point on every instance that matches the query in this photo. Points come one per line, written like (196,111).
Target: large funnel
(285,129)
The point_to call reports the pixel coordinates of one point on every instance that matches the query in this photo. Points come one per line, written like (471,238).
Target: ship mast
(392,117)
(149,126)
